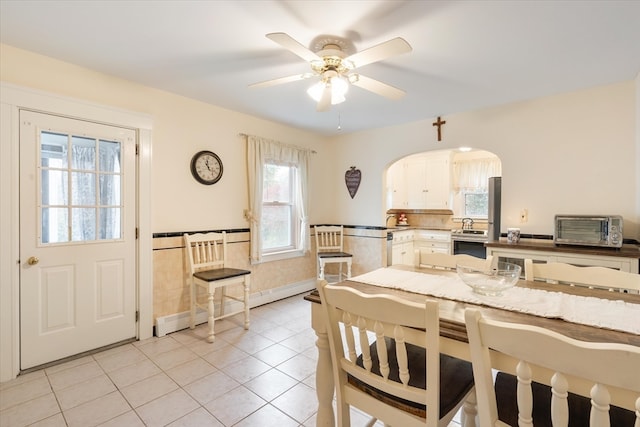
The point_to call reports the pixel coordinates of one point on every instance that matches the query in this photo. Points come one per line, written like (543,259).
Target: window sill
(278,256)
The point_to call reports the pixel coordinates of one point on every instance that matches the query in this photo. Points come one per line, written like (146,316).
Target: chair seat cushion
(456,378)
(579,406)
(334,255)
(219,274)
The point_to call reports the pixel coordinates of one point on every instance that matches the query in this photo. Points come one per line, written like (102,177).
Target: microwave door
(584,230)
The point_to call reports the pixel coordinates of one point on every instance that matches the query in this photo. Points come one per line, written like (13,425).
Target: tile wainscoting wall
(270,281)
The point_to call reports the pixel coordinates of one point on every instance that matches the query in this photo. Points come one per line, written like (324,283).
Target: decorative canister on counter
(513,235)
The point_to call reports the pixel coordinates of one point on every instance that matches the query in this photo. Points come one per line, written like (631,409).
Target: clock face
(206,167)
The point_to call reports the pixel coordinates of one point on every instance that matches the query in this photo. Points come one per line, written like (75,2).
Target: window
(80,188)
(280,223)
(476,203)
(278,199)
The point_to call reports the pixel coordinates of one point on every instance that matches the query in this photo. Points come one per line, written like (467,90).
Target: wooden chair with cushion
(207,255)
(386,359)
(426,259)
(593,277)
(604,365)
(330,249)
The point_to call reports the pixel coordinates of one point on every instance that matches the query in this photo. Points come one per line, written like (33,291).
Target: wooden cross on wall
(439,123)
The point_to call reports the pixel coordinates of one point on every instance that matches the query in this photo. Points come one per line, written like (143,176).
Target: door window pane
(84,188)
(54,187)
(109,223)
(109,190)
(83,224)
(55,225)
(88,205)
(83,153)
(53,150)
(109,159)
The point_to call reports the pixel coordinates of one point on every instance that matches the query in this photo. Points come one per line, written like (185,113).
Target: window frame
(294,247)
(484,192)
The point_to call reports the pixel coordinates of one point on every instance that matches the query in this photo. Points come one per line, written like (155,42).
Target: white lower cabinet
(517,256)
(406,242)
(433,241)
(402,253)
(402,248)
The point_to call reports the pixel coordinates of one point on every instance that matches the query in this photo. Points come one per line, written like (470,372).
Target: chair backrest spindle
(542,348)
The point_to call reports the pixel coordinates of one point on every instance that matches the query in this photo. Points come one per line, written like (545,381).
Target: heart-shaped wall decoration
(352,178)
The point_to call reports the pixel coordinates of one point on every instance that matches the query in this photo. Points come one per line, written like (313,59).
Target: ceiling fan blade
(294,46)
(282,80)
(376,86)
(380,52)
(325,101)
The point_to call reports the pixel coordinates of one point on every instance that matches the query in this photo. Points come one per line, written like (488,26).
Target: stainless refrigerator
(495,201)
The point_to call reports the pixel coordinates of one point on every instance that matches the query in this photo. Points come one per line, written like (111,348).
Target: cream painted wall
(181,127)
(570,153)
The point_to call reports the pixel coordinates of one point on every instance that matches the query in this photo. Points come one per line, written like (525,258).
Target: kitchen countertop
(411,227)
(627,250)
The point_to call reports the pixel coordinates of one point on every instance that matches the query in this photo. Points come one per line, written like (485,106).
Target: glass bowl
(490,282)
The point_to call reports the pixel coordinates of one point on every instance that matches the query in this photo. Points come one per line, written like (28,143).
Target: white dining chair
(425,259)
(386,359)
(330,250)
(593,277)
(604,365)
(207,257)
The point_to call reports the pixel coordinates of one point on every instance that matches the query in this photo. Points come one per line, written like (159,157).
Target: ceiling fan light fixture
(339,87)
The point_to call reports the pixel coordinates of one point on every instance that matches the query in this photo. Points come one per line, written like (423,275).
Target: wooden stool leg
(349,269)
(246,301)
(223,299)
(192,316)
(211,336)
(321,275)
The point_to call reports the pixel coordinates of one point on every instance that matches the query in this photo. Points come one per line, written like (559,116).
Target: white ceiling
(466,54)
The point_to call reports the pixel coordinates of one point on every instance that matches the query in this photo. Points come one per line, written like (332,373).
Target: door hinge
(137,316)
(137,233)
(137,149)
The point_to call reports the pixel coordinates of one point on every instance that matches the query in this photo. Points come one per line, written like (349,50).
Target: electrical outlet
(524,215)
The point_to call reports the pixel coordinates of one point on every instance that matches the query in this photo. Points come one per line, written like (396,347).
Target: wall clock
(206,167)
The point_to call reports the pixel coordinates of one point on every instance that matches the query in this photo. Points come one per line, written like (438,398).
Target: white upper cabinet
(397,186)
(421,182)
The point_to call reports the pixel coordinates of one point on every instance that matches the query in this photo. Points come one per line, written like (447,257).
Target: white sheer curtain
(474,174)
(259,151)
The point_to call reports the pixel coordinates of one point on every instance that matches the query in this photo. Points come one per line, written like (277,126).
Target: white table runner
(611,314)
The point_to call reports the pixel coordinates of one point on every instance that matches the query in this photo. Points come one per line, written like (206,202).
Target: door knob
(33,260)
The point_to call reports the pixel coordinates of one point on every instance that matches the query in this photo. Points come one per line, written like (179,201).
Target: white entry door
(77,237)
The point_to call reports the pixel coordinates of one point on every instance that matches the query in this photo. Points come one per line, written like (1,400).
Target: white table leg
(324,375)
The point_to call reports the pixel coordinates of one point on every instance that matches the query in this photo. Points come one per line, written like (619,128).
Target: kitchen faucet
(467,223)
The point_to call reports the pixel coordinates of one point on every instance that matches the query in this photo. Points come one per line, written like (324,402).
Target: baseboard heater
(175,322)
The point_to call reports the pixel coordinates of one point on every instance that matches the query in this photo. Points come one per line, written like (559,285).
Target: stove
(470,242)
(470,235)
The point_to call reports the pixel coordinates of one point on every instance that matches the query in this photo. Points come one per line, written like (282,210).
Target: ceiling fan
(335,67)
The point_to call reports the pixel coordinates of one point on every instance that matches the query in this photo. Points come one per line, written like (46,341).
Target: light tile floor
(261,377)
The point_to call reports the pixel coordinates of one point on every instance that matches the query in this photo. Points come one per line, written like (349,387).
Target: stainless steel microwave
(588,230)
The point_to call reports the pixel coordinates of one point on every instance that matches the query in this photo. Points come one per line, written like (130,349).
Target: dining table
(453,334)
